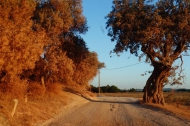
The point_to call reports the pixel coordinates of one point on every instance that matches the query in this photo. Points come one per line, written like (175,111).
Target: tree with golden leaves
(21,45)
(160,30)
(86,69)
(66,53)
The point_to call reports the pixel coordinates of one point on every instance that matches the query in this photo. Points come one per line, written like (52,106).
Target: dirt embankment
(37,110)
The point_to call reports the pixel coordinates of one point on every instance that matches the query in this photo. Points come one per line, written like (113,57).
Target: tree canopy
(160,30)
(67,55)
(41,45)
(21,46)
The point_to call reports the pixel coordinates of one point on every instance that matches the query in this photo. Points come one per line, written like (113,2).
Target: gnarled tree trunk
(153,90)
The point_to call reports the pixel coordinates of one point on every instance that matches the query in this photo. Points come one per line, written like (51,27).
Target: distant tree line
(110,89)
(183,90)
(115,89)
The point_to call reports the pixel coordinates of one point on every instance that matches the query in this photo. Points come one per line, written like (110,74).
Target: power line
(124,66)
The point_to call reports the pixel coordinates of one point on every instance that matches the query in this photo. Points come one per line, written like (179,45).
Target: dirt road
(116,111)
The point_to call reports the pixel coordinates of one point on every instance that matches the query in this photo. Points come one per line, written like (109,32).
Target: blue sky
(98,41)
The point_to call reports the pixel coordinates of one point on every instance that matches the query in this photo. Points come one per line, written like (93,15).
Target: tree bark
(153,90)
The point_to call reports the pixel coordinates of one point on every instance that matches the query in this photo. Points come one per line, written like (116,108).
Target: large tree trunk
(153,90)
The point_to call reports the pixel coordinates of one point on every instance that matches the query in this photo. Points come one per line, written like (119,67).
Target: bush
(113,89)
(132,90)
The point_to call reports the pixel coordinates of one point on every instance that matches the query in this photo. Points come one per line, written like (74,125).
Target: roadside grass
(178,98)
(123,94)
(40,106)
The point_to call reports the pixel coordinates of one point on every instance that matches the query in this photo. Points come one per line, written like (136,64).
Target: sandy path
(116,111)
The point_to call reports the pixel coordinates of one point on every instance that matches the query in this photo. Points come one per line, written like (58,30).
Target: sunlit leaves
(41,39)
(67,56)
(87,69)
(20,45)
(151,26)
(161,30)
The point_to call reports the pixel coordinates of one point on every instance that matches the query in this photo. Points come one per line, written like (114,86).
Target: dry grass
(37,108)
(16,89)
(42,104)
(179,103)
(179,98)
(79,90)
(125,94)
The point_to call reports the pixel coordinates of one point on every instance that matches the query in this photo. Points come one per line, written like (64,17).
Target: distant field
(181,98)
(125,94)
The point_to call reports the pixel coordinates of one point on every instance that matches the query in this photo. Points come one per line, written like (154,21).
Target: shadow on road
(137,103)
(112,101)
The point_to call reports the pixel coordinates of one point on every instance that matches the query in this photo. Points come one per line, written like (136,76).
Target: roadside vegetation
(177,98)
(41,54)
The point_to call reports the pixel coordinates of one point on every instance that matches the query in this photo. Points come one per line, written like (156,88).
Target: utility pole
(101,65)
(98,82)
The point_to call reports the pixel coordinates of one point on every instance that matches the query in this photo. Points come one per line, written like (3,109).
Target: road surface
(116,111)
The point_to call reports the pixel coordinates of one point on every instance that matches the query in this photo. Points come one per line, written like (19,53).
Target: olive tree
(160,30)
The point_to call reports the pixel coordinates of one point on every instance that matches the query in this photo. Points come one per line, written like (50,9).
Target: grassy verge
(36,109)
(178,98)
(40,106)
(125,94)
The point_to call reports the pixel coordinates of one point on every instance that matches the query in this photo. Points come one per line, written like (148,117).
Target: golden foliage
(60,67)
(66,54)
(86,69)
(21,46)
(40,40)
